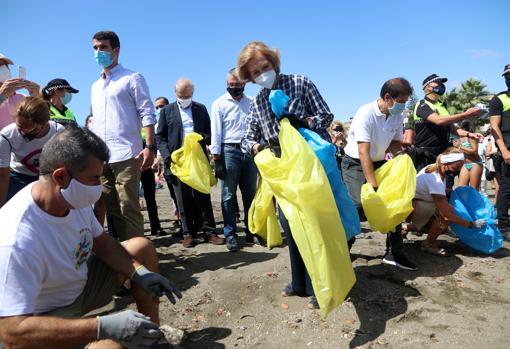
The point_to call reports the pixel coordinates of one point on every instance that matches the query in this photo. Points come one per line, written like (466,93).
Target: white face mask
(80,195)
(5,73)
(266,79)
(184,102)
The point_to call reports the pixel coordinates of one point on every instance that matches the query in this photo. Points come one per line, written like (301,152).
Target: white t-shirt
(428,184)
(19,153)
(370,125)
(42,257)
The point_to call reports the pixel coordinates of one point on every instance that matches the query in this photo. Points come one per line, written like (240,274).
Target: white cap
(8,60)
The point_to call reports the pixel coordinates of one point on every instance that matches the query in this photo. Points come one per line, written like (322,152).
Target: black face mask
(452,173)
(440,89)
(235,91)
(507,81)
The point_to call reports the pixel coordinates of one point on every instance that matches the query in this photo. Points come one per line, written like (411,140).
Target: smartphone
(22,72)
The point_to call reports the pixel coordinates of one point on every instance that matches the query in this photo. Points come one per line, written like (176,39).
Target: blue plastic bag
(326,153)
(469,204)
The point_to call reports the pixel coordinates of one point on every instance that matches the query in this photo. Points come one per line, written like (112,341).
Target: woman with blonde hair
(21,144)
(432,212)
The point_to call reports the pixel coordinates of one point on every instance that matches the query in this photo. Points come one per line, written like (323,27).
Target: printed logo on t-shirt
(84,247)
(31,161)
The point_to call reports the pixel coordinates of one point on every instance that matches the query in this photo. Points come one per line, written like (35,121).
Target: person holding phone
(9,98)
(59,93)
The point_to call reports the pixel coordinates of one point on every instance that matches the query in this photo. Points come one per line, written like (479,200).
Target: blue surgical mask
(103,58)
(397,109)
(157,113)
(66,98)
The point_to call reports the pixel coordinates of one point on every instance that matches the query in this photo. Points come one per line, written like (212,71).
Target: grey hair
(233,72)
(72,148)
(185,82)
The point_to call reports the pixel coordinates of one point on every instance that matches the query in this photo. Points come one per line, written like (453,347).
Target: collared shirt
(371,125)
(121,105)
(187,120)
(305,102)
(228,120)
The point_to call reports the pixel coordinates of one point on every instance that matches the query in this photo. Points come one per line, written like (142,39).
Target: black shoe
(158,232)
(398,260)
(232,244)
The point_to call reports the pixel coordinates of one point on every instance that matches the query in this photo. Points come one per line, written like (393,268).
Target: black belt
(233,145)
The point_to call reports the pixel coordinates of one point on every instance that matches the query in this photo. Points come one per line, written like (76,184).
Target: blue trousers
(240,171)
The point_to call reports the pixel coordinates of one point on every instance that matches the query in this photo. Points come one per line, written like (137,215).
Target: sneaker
(214,239)
(232,244)
(313,304)
(188,241)
(398,260)
(288,291)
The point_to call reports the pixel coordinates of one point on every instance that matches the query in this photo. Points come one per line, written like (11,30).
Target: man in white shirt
(121,106)
(376,129)
(231,165)
(57,264)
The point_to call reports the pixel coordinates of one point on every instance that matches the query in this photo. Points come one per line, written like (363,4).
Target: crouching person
(57,264)
(432,212)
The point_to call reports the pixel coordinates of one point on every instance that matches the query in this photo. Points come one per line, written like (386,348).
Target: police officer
(499,111)
(433,123)
(59,93)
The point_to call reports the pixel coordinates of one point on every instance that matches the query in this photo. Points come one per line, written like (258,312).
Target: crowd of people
(60,183)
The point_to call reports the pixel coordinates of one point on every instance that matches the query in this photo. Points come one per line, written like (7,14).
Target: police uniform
(431,139)
(500,105)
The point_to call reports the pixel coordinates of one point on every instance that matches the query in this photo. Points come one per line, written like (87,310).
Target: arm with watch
(148,153)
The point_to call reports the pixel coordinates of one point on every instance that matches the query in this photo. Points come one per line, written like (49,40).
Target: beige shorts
(423,212)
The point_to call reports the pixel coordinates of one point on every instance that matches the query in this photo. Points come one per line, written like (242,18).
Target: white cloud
(482,53)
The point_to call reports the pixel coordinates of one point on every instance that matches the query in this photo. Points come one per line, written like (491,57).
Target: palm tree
(471,92)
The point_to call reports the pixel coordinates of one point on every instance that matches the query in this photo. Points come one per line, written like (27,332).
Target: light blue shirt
(187,120)
(121,106)
(228,120)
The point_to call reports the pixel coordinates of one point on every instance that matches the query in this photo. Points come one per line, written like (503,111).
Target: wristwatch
(151,147)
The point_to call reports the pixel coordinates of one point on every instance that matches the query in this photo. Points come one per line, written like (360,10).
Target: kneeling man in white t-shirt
(57,264)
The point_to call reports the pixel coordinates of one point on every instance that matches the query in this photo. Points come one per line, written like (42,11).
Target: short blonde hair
(247,54)
(34,109)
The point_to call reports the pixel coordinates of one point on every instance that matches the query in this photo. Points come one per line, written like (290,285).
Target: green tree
(471,92)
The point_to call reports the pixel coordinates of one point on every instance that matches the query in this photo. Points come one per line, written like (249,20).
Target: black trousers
(503,174)
(195,208)
(149,193)
(301,282)
(354,178)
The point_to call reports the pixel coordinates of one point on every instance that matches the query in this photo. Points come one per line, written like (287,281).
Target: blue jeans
(242,172)
(18,181)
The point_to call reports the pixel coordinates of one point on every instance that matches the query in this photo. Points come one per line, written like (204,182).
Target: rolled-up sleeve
(216,128)
(143,102)
(252,134)
(317,107)
(5,152)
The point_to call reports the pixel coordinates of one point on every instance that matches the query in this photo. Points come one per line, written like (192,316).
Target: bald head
(184,88)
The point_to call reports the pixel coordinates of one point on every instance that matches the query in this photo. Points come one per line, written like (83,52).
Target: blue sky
(347,48)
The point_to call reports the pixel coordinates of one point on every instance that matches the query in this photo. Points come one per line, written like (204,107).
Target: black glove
(219,170)
(296,122)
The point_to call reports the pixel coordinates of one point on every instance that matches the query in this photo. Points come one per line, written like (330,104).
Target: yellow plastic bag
(393,201)
(191,166)
(262,218)
(302,190)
